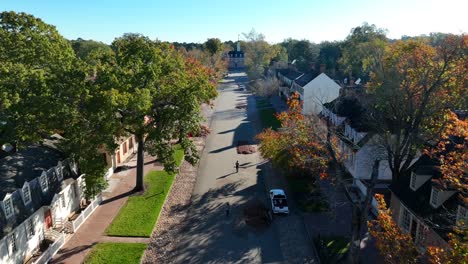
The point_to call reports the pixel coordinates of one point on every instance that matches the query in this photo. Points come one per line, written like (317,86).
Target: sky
(196,21)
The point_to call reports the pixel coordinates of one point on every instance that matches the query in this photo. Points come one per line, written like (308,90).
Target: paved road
(208,235)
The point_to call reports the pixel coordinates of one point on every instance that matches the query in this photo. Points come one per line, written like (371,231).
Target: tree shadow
(117,197)
(63,254)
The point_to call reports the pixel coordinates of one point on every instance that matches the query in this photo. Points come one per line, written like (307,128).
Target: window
(413,181)
(62,200)
(130,143)
(405,219)
(420,234)
(26,193)
(435,197)
(30,228)
(12,246)
(59,171)
(462,215)
(43,181)
(8,206)
(125,147)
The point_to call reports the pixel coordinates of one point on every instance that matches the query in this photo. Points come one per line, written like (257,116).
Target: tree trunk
(359,217)
(140,164)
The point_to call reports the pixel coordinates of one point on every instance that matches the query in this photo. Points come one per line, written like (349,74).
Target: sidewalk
(91,232)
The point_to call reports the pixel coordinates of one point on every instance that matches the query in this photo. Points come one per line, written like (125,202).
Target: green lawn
(268,118)
(139,215)
(331,249)
(118,253)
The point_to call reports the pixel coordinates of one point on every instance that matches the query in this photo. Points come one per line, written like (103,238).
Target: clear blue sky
(195,21)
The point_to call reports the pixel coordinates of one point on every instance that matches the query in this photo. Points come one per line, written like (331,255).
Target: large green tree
(362,49)
(213,45)
(155,95)
(33,59)
(258,54)
(303,52)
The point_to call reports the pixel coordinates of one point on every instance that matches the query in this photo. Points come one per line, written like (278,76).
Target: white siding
(360,166)
(70,200)
(26,244)
(320,90)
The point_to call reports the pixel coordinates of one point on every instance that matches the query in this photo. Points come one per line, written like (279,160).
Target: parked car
(279,202)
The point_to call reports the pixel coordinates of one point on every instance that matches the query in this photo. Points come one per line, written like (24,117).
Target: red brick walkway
(92,231)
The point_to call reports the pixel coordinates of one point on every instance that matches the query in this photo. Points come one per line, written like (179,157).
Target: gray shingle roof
(28,165)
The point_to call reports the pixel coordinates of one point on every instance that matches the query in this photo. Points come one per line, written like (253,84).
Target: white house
(320,90)
(358,143)
(314,89)
(41,195)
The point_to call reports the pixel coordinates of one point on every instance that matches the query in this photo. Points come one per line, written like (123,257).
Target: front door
(48,219)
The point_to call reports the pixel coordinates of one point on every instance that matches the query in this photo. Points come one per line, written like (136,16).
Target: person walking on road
(237,166)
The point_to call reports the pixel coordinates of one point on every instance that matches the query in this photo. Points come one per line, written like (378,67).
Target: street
(210,234)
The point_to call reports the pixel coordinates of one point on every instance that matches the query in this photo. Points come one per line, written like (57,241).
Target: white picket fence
(86,212)
(47,255)
(363,190)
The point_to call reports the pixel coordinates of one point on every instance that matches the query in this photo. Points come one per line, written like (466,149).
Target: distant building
(236,58)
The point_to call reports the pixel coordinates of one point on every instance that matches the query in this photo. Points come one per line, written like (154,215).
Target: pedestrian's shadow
(224,176)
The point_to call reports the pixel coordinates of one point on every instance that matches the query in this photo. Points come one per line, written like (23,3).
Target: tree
(258,54)
(297,145)
(330,54)
(214,45)
(412,85)
(395,245)
(33,58)
(88,49)
(157,96)
(362,49)
(398,246)
(452,152)
(303,52)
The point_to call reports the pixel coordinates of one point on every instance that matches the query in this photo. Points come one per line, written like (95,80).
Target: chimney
(238,46)
(322,68)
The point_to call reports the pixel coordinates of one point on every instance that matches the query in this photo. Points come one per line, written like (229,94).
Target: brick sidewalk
(92,231)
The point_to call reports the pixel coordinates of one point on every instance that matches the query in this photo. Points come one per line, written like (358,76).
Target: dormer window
(43,181)
(26,193)
(8,206)
(435,197)
(413,181)
(462,215)
(59,171)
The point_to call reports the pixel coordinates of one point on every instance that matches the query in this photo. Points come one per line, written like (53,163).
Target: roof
(26,165)
(290,73)
(235,52)
(306,78)
(418,201)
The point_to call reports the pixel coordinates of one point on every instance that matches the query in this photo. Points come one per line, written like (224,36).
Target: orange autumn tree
(299,144)
(396,246)
(452,152)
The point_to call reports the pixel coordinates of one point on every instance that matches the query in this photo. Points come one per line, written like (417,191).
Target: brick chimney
(322,68)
